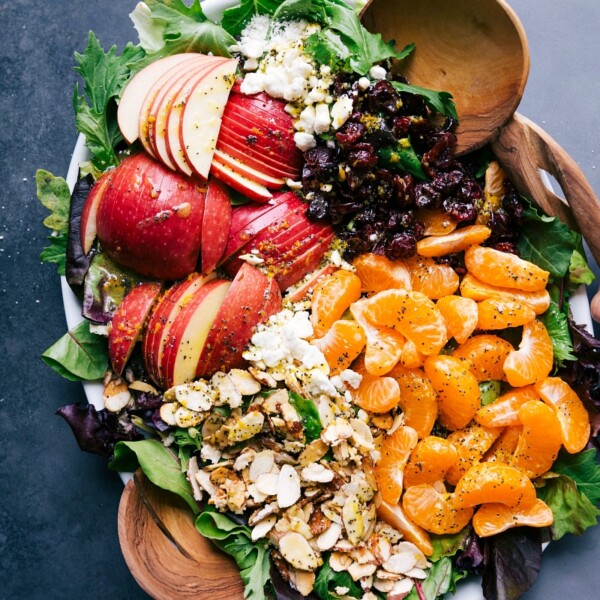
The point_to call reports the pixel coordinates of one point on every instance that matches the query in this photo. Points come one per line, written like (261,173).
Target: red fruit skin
(216,223)
(242,184)
(150,219)
(89,221)
(259,177)
(252,299)
(309,285)
(249,220)
(128,322)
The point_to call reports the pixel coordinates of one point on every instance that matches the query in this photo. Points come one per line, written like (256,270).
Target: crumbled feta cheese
(293,185)
(364,83)
(322,118)
(352,378)
(341,111)
(252,259)
(304,141)
(306,121)
(210,453)
(377,72)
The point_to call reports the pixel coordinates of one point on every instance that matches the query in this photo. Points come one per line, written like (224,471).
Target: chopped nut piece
(288,487)
(203,479)
(312,453)
(116,395)
(298,552)
(338,561)
(337,432)
(192,471)
(319,522)
(302,581)
(142,386)
(244,460)
(262,377)
(401,589)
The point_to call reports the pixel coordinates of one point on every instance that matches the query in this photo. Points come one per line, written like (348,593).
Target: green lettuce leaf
(160,465)
(172,27)
(489,390)
(105,75)
(328,579)
(53,192)
(557,324)
(579,270)
(309,415)
(449,545)
(327,48)
(584,469)
(546,242)
(573,511)
(252,558)
(187,441)
(441,102)
(236,18)
(439,581)
(78,355)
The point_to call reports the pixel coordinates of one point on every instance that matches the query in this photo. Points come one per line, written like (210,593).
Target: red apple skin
(89,224)
(243,169)
(251,300)
(243,229)
(174,337)
(250,158)
(260,153)
(308,283)
(162,318)
(216,223)
(150,219)
(247,187)
(128,322)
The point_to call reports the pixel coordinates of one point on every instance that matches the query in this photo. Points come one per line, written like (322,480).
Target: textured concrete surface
(58,506)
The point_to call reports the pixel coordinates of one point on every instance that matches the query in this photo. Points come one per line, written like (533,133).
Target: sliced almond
(383,585)
(185,418)
(288,488)
(328,539)
(167,413)
(263,513)
(358,571)
(339,561)
(303,581)
(142,386)
(401,589)
(353,519)
(400,563)
(420,559)
(317,473)
(263,463)
(262,529)
(297,551)
(268,484)
(244,382)
(228,392)
(314,452)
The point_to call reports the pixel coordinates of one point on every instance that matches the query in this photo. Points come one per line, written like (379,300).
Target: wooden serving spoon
(478,51)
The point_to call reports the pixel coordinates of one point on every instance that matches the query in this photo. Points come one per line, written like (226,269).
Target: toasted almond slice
(262,529)
(288,487)
(297,551)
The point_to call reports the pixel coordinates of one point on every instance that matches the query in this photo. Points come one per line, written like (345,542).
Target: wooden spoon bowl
(475,49)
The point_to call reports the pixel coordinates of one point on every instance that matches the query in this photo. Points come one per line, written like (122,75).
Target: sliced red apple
(145,119)
(162,318)
(242,310)
(150,219)
(250,189)
(137,89)
(239,167)
(308,283)
(128,322)
(216,224)
(89,227)
(201,119)
(187,336)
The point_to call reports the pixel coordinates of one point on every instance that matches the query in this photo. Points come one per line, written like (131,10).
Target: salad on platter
(348,350)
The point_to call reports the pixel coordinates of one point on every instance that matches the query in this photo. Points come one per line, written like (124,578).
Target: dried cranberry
(427,197)
(404,189)
(510,247)
(318,208)
(459,211)
(401,126)
(402,245)
(350,133)
(383,97)
(362,156)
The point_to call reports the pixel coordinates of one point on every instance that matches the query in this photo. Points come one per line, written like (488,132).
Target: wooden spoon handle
(523,148)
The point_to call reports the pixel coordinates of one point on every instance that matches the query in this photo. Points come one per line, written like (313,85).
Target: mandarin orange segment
(494,482)
(486,354)
(384,346)
(571,413)
(505,409)
(331,297)
(429,462)
(413,314)
(504,447)
(504,270)
(494,518)
(411,358)
(471,287)
(460,315)
(497,314)
(431,279)
(456,388)
(378,273)
(533,360)
(341,345)
(389,470)
(394,515)
(540,440)
(375,394)
(471,443)
(434,511)
(436,222)
(457,241)
(418,399)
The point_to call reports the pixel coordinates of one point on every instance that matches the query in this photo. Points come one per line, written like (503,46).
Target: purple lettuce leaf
(471,558)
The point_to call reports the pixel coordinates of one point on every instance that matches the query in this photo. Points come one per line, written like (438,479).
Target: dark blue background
(58,506)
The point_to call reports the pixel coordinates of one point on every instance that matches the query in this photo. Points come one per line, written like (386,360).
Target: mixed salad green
(509,562)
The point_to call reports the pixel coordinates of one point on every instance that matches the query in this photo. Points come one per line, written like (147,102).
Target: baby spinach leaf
(326,48)
(328,579)
(252,558)
(557,324)
(584,469)
(236,18)
(159,464)
(546,242)
(437,583)
(53,192)
(311,10)
(183,29)
(441,102)
(309,415)
(402,158)
(78,355)
(573,511)
(105,75)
